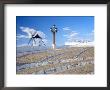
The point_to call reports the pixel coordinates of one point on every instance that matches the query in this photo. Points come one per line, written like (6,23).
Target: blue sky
(69,28)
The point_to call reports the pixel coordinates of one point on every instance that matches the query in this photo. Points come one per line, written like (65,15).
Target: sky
(70,28)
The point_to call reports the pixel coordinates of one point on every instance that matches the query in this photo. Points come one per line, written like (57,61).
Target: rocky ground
(71,60)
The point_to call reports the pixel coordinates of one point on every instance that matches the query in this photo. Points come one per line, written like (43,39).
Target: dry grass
(87,69)
(66,54)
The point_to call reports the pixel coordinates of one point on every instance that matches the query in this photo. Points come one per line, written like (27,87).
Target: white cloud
(30,31)
(66,28)
(71,35)
(75,38)
(28,34)
(65,35)
(21,36)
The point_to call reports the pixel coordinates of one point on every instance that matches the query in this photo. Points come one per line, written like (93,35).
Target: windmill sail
(35,36)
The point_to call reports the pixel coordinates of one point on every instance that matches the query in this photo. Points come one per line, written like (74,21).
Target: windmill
(35,36)
(53,30)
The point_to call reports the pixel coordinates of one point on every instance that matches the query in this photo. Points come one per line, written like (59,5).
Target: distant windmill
(33,38)
(53,30)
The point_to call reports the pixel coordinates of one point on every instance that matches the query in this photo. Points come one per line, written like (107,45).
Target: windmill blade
(29,41)
(32,44)
(39,43)
(31,32)
(43,42)
(34,34)
(34,40)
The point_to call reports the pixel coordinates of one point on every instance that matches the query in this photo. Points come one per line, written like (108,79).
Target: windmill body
(54,30)
(34,37)
(54,44)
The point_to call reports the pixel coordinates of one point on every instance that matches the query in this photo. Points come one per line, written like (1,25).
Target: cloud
(70,36)
(90,35)
(66,28)
(74,36)
(30,31)
(21,36)
(28,34)
(65,35)
(77,38)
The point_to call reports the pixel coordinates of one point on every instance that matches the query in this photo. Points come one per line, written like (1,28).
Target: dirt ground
(72,60)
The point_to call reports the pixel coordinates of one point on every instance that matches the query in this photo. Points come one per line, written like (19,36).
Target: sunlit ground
(71,60)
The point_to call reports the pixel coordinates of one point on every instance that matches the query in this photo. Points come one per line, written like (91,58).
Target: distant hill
(23,50)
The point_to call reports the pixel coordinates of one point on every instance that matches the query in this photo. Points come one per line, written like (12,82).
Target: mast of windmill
(53,30)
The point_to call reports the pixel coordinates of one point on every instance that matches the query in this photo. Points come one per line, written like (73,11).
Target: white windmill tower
(54,30)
